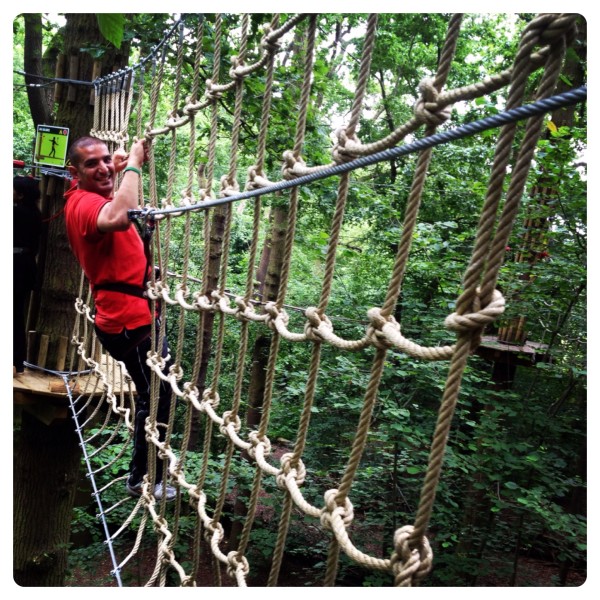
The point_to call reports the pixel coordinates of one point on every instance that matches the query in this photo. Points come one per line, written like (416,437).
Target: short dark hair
(28,187)
(82,142)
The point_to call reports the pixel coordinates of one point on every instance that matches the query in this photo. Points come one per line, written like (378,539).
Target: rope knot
(190,392)
(215,530)
(292,165)
(237,68)
(271,45)
(410,565)
(316,325)
(480,317)
(156,360)
(256,441)
(182,292)
(274,314)
(211,92)
(210,397)
(553,27)
(188,581)
(236,563)
(190,108)
(374,331)
(176,371)
(332,509)
(297,471)
(217,297)
(162,289)
(255,175)
(187,199)
(426,108)
(228,187)
(345,148)
(243,308)
(231,418)
(172,123)
(202,301)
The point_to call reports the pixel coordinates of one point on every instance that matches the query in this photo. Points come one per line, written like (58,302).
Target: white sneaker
(159,490)
(168,491)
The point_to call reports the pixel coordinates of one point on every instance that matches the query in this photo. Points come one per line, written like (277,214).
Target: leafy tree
(514,478)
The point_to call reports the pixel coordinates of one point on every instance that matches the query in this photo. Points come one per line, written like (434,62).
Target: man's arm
(113,215)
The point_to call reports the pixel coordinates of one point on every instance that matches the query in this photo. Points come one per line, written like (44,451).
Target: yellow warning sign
(51,145)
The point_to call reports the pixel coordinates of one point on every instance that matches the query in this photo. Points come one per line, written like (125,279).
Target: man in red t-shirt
(112,256)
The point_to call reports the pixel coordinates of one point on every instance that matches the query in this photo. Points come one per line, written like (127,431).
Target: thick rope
(471,332)
(543,43)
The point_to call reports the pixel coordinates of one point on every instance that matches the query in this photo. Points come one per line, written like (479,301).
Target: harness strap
(125,288)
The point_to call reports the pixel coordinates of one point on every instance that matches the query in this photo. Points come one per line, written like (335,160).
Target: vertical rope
(380,355)
(298,143)
(230,182)
(416,192)
(97,107)
(206,235)
(184,285)
(464,342)
(284,279)
(154,359)
(365,69)
(411,559)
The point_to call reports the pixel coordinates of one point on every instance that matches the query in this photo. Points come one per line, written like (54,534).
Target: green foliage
(111,26)
(512,469)
(23,130)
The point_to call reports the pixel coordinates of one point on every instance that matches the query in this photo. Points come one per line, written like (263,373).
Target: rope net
(230,332)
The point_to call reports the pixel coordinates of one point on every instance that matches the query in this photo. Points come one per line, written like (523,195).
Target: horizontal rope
(153,52)
(112,76)
(52,80)
(504,118)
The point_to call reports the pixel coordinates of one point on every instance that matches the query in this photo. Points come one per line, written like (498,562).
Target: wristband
(134,169)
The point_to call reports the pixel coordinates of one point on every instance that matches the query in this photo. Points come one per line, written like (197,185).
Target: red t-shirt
(114,257)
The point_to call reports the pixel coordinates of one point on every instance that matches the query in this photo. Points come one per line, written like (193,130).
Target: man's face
(95,170)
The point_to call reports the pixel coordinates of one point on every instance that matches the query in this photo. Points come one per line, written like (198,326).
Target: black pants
(131,346)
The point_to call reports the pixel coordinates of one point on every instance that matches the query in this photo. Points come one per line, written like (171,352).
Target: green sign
(51,145)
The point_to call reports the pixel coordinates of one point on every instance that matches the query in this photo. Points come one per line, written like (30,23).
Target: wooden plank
(43,352)
(73,74)
(50,386)
(31,343)
(59,73)
(39,383)
(96,72)
(61,353)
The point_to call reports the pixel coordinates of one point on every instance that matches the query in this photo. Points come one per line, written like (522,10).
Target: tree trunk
(263,265)
(47,457)
(61,273)
(207,319)
(32,61)
(260,354)
(46,464)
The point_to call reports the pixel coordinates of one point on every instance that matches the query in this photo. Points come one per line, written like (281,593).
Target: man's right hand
(113,216)
(138,154)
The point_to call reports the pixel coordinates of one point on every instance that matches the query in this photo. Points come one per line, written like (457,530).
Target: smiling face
(94,169)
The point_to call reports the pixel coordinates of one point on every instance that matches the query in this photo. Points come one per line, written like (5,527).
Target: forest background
(525,469)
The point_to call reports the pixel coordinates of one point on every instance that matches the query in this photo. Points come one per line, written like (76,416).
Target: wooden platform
(37,383)
(528,353)
(40,394)
(45,394)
